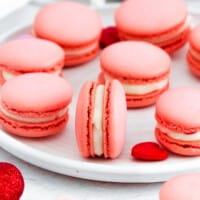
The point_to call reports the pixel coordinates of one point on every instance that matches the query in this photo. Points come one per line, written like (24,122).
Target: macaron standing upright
(184,187)
(163,23)
(29,55)
(178,123)
(72,25)
(193,54)
(35,104)
(101,119)
(142,68)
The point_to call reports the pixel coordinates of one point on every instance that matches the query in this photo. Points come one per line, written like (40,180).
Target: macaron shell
(184,148)
(83,123)
(194,38)
(44,95)
(31,55)
(33,130)
(161,16)
(126,60)
(114,119)
(182,116)
(194,64)
(183,187)
(177,42)
(68,20)
(169,45)
(137,101)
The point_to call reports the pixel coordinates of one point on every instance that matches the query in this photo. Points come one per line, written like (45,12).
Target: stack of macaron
(34,95)
(134,73)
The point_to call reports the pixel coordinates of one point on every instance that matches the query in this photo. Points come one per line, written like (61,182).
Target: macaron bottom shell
(80,59)
(193,64)
(33,130)
(184,148)
(169,45)
(138,101)
(176,43)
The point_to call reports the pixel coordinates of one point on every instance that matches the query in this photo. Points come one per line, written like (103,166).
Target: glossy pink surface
(135,61)
(142,17)
(31,55)
(68,24)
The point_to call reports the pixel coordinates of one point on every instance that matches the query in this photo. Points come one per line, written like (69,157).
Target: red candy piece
(149,151)
(11,182)
(109,36)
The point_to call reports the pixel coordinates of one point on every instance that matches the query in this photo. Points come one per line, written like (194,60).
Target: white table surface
(41,184)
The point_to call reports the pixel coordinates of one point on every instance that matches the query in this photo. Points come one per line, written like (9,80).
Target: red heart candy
(109,36)
(11,182)
(149,151)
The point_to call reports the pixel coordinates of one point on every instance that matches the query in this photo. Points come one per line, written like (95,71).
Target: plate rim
(20,150)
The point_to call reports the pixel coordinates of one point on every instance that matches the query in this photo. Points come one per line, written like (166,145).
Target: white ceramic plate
(60,154)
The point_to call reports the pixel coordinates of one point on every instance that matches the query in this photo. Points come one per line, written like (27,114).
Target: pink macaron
(163,23)
(101,119)
(141,67)
(30,55)
(35,104)
(193,54)
(74,26)
(183,187)
(178,123)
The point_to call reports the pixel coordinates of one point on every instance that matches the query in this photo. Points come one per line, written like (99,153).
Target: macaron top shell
(138,60)
(114,119)
(83,124)
(31,55)
(180,107)
(182,187)
(34,93)
(143,17)
(68,23)
(194,38)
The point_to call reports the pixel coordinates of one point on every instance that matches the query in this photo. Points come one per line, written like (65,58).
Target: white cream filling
(7,75)
(178,135)
(33,120)
(98,121)
(78,52)
(141,89)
